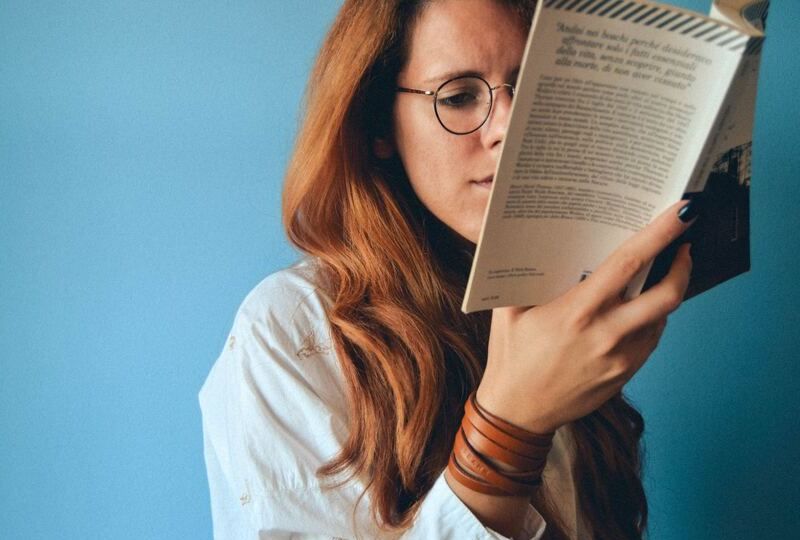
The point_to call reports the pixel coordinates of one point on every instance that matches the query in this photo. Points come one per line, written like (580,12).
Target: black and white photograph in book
(721,241)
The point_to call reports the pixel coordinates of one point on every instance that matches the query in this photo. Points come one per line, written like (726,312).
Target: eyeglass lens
(463,104)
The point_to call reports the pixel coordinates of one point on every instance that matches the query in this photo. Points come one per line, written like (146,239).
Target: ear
(383,148)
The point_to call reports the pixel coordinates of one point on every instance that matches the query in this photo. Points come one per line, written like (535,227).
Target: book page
(752,13)
(614,105)
(736,129)
(721,240)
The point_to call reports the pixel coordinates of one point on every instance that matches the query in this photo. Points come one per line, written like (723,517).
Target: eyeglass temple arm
(414,91)
(509,85)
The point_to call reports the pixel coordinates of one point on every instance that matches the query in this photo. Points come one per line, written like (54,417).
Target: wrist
(509,409)
(484,442)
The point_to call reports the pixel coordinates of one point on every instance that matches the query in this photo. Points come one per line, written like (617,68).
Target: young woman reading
(353,397)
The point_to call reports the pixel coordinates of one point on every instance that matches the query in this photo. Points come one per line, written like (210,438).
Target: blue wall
(142,146)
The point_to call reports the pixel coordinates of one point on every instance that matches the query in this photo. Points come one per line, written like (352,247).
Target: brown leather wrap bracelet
(488,447)
(466,479)
(533,438)
(505,439)
(519,484)
(484,442)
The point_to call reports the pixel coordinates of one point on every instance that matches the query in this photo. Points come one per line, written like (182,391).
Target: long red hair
(396,275)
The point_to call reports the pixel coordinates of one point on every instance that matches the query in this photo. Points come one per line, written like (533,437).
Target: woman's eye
(462,99)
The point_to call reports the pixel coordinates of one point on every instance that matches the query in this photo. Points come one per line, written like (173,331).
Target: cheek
(435,168)
(438,166)
(431,170)
(418,144)
(430,156)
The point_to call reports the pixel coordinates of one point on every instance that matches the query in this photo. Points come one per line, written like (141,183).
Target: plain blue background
(142,147)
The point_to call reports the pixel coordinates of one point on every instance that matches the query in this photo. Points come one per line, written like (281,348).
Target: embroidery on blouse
(309,347)
(245,498)
(231,342)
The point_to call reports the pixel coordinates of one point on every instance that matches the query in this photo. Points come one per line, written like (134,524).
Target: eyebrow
(463,73)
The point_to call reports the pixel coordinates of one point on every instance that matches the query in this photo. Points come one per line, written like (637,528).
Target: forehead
(479,35)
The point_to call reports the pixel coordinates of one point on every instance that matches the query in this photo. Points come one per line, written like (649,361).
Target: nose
(497,123)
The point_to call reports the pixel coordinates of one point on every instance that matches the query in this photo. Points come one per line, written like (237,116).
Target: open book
(622,107)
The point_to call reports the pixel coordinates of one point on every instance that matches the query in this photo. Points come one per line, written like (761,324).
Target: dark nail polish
(690,211)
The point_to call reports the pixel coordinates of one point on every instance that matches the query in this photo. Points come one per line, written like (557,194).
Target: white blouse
(274,411)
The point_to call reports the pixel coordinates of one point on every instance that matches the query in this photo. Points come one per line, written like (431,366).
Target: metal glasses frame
(435,95)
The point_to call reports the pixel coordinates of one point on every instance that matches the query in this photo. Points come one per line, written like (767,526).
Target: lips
(485,182)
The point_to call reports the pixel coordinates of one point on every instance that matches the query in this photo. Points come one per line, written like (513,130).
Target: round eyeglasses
(463,104)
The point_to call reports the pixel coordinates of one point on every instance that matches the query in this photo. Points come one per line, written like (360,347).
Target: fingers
(658,301)
(614,274)
(640,345)
(649,335)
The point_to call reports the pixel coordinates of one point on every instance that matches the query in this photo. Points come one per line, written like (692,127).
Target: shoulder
(285,304)
(281,330)
(274,400)
(274,410)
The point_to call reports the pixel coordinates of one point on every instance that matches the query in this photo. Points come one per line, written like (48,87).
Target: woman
(333,410)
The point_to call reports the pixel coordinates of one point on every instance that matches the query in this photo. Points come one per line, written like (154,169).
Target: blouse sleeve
(273,412)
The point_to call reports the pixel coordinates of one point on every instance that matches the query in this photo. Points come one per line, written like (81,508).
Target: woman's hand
(551,364)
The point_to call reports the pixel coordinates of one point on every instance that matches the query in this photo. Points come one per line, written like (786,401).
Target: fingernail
(690,211)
